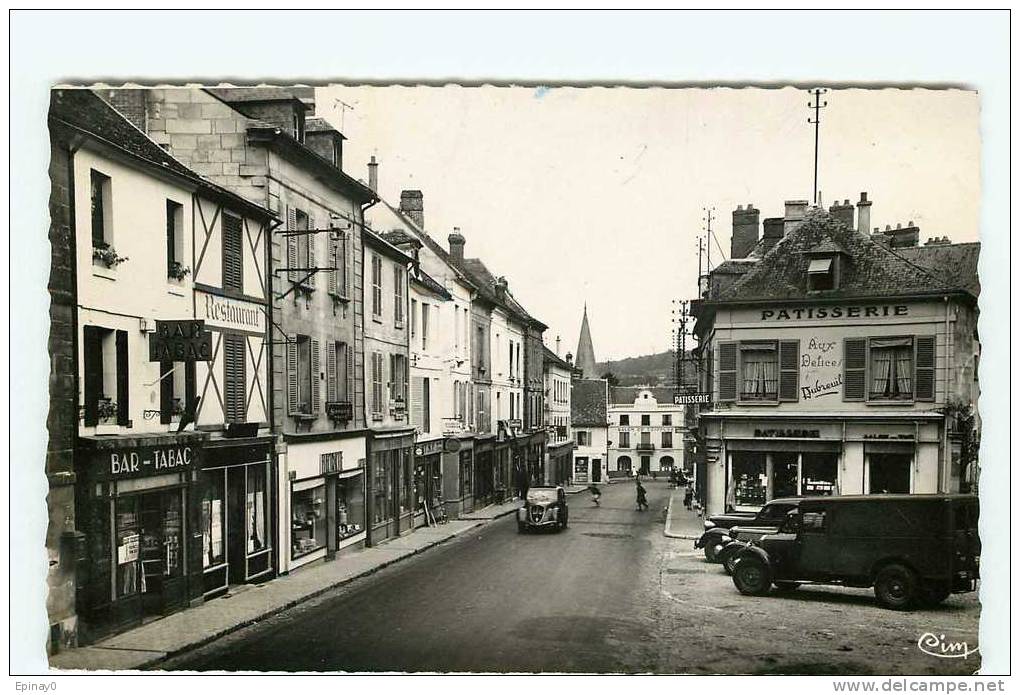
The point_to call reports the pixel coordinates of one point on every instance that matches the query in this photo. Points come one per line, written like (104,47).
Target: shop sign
(691,398)
(787,434)
(340,410)
(515,424)
(224,312)
(331,462)
(148,460)
(902,435)
(180,341)
(835,312)
(451,445)
(429,448)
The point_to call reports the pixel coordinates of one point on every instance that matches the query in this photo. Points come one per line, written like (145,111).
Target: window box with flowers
(107,256)
(177,271)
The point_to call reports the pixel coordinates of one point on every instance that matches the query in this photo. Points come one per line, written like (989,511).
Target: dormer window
(822,274)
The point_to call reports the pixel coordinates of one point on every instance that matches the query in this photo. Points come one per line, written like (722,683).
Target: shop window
(466,477)
(308,519)
(128,530)
(102,211)
(174,240)
(376,287)
(667,440)
(646,420)
(889,473)
(382,488)
(624,439)
(235,380)
(406,482)
(303,375)
(105,357)
(233,252)
(256,509)
(819,474)
(748,479)
(214,519)
(149,533)
(398,294)
(350,507)
(759,372)
(666,463)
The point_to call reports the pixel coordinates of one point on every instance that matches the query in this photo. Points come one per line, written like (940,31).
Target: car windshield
(541,496)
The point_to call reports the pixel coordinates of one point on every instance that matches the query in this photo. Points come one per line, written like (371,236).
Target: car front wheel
(896,587)
(712,549)
(752,576)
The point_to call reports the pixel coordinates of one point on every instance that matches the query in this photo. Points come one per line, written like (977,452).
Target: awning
(820,265)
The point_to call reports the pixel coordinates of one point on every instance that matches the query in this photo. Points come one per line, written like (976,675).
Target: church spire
(585,360)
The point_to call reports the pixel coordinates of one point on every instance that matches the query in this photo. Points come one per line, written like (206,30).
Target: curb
(669,518)
(206,639)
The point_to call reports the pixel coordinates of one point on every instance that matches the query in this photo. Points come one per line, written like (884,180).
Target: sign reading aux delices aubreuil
(835,312)
(180,341)
(148,460)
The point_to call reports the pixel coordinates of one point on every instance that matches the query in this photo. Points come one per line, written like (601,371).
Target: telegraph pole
(817,106)
(708,238)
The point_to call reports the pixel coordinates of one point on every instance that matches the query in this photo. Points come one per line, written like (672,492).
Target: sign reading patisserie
(226,312)
(872,311)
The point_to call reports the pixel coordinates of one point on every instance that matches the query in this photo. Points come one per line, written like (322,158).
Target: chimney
(795,210)
(456,242)
(412,205)
(373,176)
(904,237)
(745,231)
(129,102)
(570,359)
(557,346)
(844,214)
(864,214)
(501,288)
(772,232)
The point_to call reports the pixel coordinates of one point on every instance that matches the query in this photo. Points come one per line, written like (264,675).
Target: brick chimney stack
(412,205)
(795,211)
(844,214)
(745,231)
(772,232)
(557,346)
(864,214)
(373,175)
(456,242)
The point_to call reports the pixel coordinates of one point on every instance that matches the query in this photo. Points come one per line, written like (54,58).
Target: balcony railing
(645,447)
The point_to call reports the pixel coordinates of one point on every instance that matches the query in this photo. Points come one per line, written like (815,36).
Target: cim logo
(939,646)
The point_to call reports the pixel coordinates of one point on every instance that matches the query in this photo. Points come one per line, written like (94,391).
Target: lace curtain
(760,372)
(892,367)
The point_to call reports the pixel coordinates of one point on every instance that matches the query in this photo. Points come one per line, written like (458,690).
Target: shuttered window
(233,252)
(398,294)
(376,286)
(92,346)
(789,370)
(417,402)
(334,264)
(123,382)
(855,356)
(377,383)
(234,378)
(303,375)
(314,377)
(727,372)
(426,406)
(925,368)
(332,373)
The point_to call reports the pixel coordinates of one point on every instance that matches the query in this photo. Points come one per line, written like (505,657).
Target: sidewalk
(147,645)
(681,523)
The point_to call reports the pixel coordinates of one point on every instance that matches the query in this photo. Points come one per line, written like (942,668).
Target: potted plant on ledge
(107,255)
(177,270)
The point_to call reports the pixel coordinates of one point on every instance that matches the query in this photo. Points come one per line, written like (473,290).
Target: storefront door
(646,465)
(159,561)
(889,473)
(784,475)
(235,524)
(596,470)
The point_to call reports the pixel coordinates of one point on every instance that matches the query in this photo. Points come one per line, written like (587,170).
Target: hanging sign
(691,398)
(180,341)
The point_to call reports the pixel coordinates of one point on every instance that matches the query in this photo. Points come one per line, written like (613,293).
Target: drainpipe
(944,472)
(274,460)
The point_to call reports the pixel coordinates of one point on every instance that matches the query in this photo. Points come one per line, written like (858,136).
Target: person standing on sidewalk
(642,497)
(688,498)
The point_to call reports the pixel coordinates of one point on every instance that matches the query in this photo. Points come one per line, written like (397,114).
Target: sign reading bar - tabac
(140,461)
(180,341)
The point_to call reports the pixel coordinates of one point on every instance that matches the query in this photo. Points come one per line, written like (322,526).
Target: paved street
(610,594)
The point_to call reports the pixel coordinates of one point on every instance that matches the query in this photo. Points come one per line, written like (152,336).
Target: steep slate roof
(588,406)
(430,283)
(85,111)
(869,270)
(958,263)
(321,125)
(626,395)
(550,357)
(485,282)
(432,245)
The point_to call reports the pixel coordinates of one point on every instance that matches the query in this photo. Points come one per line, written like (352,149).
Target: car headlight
(709,524)
(724,539)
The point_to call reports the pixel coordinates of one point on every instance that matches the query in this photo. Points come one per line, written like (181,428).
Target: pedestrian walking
(688,498)
(596,494)
(642,497)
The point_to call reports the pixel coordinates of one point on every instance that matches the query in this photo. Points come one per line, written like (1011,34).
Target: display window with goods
(308,526)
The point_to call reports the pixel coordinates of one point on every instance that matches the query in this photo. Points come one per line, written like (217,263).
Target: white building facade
(646,431)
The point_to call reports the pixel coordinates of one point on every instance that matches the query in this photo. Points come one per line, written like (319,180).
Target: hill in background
(646,370)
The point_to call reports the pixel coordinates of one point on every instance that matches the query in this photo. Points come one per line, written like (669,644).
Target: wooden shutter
(166,392)
(233,252)
(331,371)
(234,378)
(351,384)
(727,371)
(123,383)
(345,278)
(292,375)
(315,376)
(855,362)
(924,368)
(311,253)
(292,256)
(93,358)
(426,405)
(333,265)
(191,398)
(789,370)
(417,407)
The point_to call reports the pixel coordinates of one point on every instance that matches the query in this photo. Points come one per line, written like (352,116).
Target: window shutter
(727,371)
(346,280)
(292,243)
(351,384)
(332,264)
(93,358)
(233,253)
(234,377)
(292,375)
(855,362)
(426,403)
(311,254)
(166,391)
(789,371)
(417,405)
(315,376)
(123,382)
(331,371)
(924,368)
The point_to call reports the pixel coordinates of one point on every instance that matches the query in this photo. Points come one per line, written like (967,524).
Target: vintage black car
(544,507)
(914,550)
(719,528)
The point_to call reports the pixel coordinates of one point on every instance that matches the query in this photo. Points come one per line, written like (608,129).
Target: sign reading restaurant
(835,312)
(225,312)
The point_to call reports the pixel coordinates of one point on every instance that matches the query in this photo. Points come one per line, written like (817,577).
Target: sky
(598,195)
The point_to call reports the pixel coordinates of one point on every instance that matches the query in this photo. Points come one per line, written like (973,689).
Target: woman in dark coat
(642,499)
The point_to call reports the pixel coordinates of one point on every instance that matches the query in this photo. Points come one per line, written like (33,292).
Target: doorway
(596,470)
(889,473)
(160,556)
(646,465)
